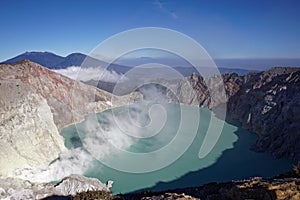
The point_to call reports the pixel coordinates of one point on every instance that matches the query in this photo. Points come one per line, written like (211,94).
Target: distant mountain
(79,59)
(255,64)
(74,59)
(186,71)
(53,61)
(46,59)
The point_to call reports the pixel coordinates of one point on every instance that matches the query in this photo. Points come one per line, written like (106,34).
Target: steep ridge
(221,86)
(35,104)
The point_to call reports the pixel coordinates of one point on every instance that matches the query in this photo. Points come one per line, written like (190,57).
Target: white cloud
(86,74)
(163,8)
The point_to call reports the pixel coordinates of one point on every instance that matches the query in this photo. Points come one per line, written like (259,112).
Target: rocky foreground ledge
(76,187)
(256,188)
(282,187)
(17,189)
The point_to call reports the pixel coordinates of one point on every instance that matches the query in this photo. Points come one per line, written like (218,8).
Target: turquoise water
(229,159)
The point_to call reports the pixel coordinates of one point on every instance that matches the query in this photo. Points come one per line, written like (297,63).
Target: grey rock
(17,189)
(267,103)
(272,100)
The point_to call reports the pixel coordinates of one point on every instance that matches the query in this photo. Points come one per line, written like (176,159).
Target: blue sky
(225,28)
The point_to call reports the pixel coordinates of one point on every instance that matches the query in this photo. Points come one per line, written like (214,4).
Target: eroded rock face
(28,135)
(205,92)
(35,103)
(69,100)
(269,105)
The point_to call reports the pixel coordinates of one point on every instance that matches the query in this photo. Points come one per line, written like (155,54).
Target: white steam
(73,161)
(91,73)
(102,138)
(107,135)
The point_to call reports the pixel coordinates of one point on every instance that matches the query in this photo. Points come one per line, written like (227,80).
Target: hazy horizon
(135,59)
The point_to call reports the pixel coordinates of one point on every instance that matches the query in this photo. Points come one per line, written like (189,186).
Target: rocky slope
(35,104)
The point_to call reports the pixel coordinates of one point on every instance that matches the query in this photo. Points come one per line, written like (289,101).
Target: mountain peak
(76,54)
(47,59)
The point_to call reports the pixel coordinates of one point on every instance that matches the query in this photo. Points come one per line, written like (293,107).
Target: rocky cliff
(35,103)
(196,90)
(28,135)
(267,103)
